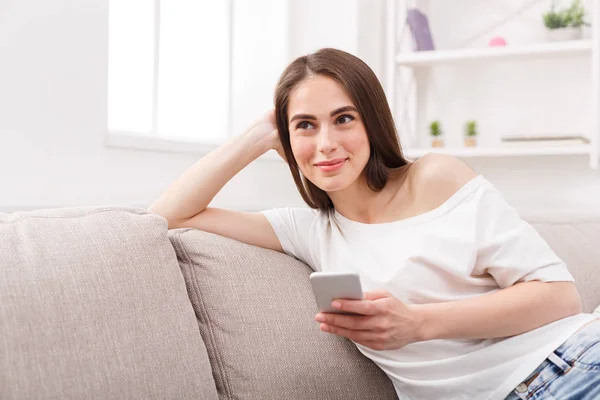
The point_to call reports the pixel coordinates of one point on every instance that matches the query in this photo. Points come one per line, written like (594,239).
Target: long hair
(365,91)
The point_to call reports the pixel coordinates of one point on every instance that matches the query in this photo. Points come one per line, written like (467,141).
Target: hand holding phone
(328,286)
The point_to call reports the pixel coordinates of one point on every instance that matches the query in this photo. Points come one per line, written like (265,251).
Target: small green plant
(577,14)
(555,20)
(571,16)
(471,129)
(434,129)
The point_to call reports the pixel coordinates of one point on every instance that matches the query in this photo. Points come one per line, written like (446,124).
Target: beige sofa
(105,303)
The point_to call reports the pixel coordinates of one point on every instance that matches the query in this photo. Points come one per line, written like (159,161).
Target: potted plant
(565,24)
(577,14)
(436,132)
(470,134)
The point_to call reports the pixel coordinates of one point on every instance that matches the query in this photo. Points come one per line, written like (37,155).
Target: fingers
(270,116)
(280,149)
(364,307)
(367,306)
(356,336)
(376,294)
(347,321)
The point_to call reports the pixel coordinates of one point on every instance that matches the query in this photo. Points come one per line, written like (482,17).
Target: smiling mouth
(328,166)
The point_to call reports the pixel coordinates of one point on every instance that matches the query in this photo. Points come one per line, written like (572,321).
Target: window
(192,71)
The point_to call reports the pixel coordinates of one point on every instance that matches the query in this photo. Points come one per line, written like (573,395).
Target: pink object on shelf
(497,41)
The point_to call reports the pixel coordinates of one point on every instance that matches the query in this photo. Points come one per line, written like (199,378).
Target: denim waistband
(561,361)
(579,342)
(573,347)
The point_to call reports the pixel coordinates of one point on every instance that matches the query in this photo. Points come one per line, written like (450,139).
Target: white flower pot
(586,32)
(560,34)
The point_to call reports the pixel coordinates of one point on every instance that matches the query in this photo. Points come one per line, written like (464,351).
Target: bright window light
(130,65)
(191,41)
(194,64)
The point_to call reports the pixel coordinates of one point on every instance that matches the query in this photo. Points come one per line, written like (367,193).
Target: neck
(359,203)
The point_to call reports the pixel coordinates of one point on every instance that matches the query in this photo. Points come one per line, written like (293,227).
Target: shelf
(505,53)
(501,151)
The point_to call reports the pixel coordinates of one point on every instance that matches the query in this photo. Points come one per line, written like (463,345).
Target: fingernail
(320,318)
(336,304)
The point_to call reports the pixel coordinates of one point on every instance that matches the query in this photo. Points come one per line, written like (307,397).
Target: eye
(304,125)
(343,119)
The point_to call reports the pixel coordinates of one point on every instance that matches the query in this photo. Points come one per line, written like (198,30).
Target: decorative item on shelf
(497,41)
(419,27)
(470,134)
(577,15)
(436,132)
(564,24)
(544,140)
(586,30)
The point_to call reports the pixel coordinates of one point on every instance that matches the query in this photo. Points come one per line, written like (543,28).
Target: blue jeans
(571,372)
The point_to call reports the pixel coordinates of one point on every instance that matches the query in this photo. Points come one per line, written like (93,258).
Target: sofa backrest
(575,238)
(93,306)
(256,314)
(255,310)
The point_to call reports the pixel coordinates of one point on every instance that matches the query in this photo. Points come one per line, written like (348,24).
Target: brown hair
(365,91)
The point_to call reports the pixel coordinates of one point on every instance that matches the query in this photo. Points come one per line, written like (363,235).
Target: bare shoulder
(436,177)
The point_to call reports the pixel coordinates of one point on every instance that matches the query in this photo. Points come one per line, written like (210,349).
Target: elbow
(572,300)
(575,306)
(154,209)
(172,223)
(561,300)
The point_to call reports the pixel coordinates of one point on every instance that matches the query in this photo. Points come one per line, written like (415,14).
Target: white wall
(53,118)
(524,97)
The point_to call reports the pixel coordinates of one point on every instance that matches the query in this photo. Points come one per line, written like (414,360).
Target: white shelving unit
(584,149)
(418,62)
(505,53)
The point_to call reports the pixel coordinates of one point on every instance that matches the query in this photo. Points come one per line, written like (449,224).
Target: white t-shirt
(473,244)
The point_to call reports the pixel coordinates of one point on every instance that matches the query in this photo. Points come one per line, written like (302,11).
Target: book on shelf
(545,140)
(419,27)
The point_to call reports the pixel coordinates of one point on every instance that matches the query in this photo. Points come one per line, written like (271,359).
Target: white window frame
(152,141)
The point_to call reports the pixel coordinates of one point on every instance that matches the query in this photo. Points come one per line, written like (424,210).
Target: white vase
(586,32)
(561,34)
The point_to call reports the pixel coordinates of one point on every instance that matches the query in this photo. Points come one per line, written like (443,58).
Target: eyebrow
(343,109)
(334,112)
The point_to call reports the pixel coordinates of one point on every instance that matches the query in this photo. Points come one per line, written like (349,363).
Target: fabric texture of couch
(105,303)
(93,305)
(256,315)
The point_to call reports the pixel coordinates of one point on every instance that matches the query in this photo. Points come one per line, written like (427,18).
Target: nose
(327,142)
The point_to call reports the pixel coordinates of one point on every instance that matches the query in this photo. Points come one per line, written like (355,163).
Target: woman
(463,299)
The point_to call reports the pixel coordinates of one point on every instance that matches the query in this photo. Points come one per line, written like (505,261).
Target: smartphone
(328,286)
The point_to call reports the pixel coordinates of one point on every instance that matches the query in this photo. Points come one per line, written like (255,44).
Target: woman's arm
(184,204)
(513,253)
(506,312)
(386,323)
(537,289)
(191,193)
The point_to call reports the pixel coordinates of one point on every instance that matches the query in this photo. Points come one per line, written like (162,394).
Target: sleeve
(293,229)
(509,248)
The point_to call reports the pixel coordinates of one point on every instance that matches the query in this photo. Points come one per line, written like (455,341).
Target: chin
(333,183)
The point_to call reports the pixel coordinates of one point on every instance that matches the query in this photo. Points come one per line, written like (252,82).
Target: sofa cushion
(256,311)
(93,305)
(574,238)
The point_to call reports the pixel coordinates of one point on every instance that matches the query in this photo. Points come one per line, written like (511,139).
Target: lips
(331,165)
(330,162)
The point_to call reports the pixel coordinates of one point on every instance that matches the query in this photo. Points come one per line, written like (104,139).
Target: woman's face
(327,135)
